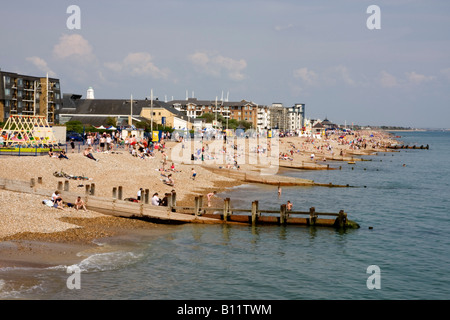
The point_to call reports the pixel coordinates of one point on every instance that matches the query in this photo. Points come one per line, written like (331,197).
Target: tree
(74,125)
(111,121)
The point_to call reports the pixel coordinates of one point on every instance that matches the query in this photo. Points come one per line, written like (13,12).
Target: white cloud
(284,27)
(416,78)
(216,64)
(387,80)
(446,72)
(343,74)
(42,65)
(309,77)
(73,46)
(138,64)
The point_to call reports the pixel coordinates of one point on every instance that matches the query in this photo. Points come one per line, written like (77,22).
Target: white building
(90,93)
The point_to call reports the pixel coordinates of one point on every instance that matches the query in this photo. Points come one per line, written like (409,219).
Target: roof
(209,102)
(85,109)
(318,125)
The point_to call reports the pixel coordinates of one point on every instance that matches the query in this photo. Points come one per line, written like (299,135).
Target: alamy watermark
(374,280)
(230,151)
(74,20)
(74,280)
(374,21)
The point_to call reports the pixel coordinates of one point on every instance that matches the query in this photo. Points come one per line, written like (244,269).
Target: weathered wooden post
(32,183)
(196,206)
(119,193)
(87,189)
(114,193)
(254,211)
(312,216)
(66,185)
(200,204)
(283,214)
(342,219)
(174,200)
(169,201)
(92,189)
(226,207)
(40,180)
(146,196)
(60,185)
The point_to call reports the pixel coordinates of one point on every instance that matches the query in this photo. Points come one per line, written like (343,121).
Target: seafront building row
(29,95)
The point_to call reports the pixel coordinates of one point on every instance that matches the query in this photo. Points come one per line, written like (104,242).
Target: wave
(108,261)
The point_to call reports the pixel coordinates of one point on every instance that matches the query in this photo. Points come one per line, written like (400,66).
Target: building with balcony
(239,110)
(29,95)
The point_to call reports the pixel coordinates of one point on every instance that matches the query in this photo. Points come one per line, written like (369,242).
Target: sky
(320,53)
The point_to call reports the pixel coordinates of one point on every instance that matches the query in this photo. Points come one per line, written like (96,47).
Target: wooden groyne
(422,147)
(173,214)
(257,216)
(269,179)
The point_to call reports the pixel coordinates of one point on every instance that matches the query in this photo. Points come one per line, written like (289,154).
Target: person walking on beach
(209,196)
(72,144)
(279,190)
(139,194)
(194,174)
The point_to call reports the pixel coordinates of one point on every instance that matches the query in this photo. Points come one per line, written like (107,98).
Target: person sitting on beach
(87,153)
(79,204)
(62,155)
(169,181)
(59,204)
(155,200)
(55,196)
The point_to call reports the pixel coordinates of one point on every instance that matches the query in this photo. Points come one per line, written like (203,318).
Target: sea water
(400,200)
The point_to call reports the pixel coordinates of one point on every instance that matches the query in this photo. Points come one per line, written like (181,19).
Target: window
(7,92)
(7,80)
(20,82)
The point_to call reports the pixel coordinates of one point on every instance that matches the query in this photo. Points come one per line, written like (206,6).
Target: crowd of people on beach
(314,147)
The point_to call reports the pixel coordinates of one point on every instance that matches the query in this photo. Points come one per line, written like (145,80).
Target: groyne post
(60,185)
(254,211)
(283,216)
(174,198)
(32,183)
(87,189)
(342,219)
(146,196)
(197,206)
(92,189)
(39,180)
(66,185)
(114,193)
(312,216)
(226,208)
(119,193)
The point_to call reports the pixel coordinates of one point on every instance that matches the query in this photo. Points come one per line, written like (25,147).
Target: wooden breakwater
(269,179)
(422,147)
(173,214)
(257,216)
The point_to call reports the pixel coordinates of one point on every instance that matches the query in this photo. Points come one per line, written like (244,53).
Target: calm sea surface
(408,208)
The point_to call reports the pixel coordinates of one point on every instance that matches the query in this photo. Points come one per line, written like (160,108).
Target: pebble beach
(28,227)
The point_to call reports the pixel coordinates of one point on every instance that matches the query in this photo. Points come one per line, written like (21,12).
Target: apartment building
(29,95)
